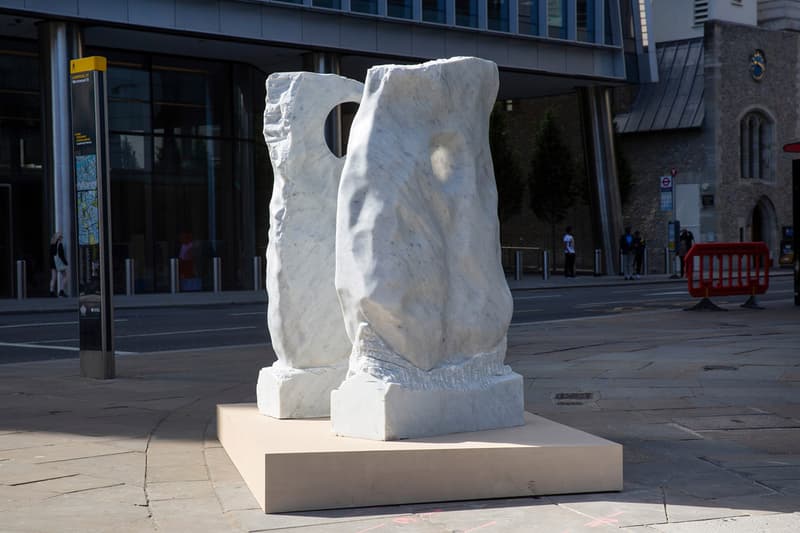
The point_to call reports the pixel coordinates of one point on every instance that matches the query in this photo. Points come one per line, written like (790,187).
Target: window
(529,17)
(756,133)
(585,20)
(497,15)
(557,18)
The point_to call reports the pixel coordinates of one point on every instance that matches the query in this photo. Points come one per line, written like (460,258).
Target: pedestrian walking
(626,248)
(58,265)
(569,253)
(685,242)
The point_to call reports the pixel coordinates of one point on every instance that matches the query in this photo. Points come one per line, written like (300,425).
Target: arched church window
(756,144)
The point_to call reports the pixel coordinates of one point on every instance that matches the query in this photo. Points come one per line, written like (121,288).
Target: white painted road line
(37,324)
(48,347)
(670,293)
(538,297)
(264,312)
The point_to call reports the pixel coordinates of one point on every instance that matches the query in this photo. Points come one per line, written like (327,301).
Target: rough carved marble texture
(304,317)
(423,293)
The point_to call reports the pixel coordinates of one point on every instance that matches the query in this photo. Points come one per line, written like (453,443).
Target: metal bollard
(598,265)
(667,268)
(129,288)
(174,282)
(258,274)
(545,265)
(216,263)
(22,282)
(646,261)
(518,265)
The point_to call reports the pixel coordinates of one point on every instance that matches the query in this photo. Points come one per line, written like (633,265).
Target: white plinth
(285,392)
(300,465)
(364,407)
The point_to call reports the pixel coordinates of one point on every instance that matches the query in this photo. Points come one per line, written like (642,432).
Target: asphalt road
(38,336)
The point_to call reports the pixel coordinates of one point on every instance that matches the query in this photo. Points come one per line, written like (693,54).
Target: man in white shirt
(569,253)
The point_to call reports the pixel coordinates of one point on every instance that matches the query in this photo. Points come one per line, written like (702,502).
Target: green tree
(507,173)
(551,176)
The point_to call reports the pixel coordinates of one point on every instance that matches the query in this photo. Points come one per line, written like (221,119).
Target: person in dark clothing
(685,242)
(58,265)
(638,253)
(626,248)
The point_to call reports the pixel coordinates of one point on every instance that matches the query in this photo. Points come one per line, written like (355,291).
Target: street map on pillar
(86,173)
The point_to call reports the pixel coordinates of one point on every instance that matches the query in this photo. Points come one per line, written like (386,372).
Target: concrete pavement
(707,406)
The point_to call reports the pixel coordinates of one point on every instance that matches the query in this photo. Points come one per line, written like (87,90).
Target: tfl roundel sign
(666,183)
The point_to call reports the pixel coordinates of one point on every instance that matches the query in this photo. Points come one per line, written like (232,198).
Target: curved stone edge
(284,392)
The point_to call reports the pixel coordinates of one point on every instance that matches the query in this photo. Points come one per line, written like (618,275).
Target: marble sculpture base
(366,408)
(300,465)
(284,392)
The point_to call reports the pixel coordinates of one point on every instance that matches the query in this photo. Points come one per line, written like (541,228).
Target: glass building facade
(188,168)
(190,173)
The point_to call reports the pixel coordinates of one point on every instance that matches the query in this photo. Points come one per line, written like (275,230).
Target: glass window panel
(557,18)
(467,13)
(364,6)
(399,9)
(20,105)
(191,98)
(128,116)
(497,14)
(130,152)
(331,4)
(19,71)
(529,17)
(433,11)
(128,83)
(585,20)
(609,32)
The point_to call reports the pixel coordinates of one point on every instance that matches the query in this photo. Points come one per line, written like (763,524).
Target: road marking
(593,317)
(520,311)
(160,333)
(71,322)
(670,293)
(47,347)
(538,297)
(247,314)
(609,302)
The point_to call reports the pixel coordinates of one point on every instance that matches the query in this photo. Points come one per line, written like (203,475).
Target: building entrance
(6,244)
(763,225)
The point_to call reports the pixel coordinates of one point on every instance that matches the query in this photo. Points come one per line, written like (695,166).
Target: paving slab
(705,446)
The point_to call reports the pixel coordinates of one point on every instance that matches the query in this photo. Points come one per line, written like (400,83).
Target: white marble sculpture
(423,294)
(304,317)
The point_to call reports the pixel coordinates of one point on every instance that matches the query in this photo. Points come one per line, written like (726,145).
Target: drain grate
(573,398)
(720,367)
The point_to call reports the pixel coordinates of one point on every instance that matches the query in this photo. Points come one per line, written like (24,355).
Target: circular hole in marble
(344,112)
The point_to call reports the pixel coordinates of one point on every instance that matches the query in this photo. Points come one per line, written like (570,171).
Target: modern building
(189,170)
(725,104)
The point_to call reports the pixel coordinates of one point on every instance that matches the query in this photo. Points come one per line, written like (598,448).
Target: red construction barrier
(728,269)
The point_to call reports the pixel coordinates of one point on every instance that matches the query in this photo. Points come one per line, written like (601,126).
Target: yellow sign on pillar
(87,64)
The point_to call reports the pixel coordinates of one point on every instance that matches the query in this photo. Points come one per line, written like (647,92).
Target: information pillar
(92,198)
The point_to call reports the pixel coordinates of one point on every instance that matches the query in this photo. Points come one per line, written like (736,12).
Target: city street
(54,335)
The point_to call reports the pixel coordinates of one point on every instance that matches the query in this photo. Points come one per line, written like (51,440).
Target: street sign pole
(795,148)
(93,202)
